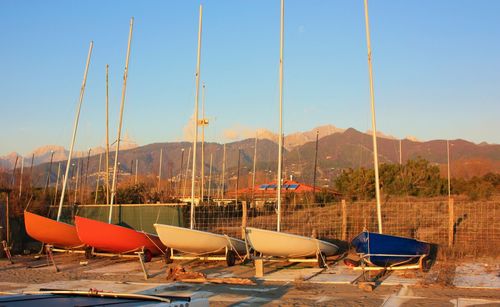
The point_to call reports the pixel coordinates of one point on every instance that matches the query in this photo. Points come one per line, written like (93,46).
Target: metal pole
(186,176)
(122,105)
(374,125)
(77,177)
(237,176)
(75,128)
(159,170)
(180,171)
(7,219)
(449,171)
(195,140)
(223,181)
(254,168)
(57,183)
(280,140)
(202,185)
(98,179)
(21,178)
(400,154)
(31,172)
(209,179)
(136,169)
(315,165)
(85,186)
(107,136)
(47,182)
(14,173)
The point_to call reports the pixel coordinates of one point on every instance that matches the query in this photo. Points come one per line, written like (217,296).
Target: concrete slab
(464,302)
(336,275)
(128,267)
(472,275)
(291,274)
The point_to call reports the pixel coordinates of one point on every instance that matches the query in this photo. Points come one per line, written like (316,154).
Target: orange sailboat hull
(116,239)
(52,232)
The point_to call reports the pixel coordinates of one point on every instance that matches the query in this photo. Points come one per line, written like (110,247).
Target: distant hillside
(337,151)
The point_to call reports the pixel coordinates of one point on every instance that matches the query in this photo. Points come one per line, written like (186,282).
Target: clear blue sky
(436,68)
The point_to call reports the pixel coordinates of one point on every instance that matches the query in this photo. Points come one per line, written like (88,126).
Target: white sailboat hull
(280,244)
(197,242)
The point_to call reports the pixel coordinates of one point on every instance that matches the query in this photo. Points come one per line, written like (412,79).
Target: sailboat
(378,249)
(189,240)
(112,238)
(55,232)
(277,243)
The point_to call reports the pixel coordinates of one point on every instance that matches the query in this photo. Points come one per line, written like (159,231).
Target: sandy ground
(283,284)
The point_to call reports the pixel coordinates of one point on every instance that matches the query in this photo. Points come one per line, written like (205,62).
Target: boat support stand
(140,255)
(229,256)
(6,249)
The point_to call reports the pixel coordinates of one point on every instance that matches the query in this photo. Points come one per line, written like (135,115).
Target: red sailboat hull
(52,232)
(116,239)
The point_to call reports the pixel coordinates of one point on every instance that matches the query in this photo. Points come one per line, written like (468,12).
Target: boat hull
(386,250)
(116,239)
(191,241)
(52,232)
(280,244)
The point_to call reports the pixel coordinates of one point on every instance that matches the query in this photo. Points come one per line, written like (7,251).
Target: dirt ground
(432,289)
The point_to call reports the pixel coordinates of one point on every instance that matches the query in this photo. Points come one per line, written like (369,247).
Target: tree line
(418,178)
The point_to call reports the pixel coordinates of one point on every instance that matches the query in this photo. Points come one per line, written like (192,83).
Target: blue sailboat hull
(386,250)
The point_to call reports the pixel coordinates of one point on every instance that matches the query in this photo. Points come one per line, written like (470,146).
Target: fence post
(344,220)
(451,222)
(243,218)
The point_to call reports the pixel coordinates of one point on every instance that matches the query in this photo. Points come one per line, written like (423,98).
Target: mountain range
(338,149)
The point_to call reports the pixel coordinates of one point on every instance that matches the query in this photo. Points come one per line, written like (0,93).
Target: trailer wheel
(321,257)
(147,256)
(426,264)
(168,254)
(88,252)
(230,258)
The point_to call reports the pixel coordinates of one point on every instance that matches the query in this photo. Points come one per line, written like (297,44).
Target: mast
(159,170)
(21,178)
(97,180)
(107,136)
(223,182)
(57,182)
(280,140)
(196,99)
(315,166)
(75,128)
(117,148)
(84,185)
(400,154)
(47,182)
(254,167)
(210,178)
(136,170)
(202,122)
(374,125)
(184,185)
(180,186)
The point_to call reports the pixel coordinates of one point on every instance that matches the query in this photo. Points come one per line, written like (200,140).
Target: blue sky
(436,68)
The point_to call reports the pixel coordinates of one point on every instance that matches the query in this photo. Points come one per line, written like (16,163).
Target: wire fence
(468,228)
(463,227)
